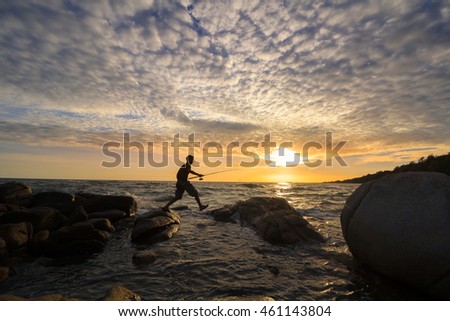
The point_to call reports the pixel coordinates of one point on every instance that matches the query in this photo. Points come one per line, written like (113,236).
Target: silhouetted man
(184,185)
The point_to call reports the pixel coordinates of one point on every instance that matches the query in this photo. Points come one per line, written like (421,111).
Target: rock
(155,226)
(42,218)
(120,293)
(78,215)
(276,221)
(76,232)
(16,235)
(4,254)
(144,257)
(180,208)
(47,198)
(9,207)
(4,273)
(399,226)
(15,193)
(223,214)
(99,203)
(112,215)
(38,242)
(102,224)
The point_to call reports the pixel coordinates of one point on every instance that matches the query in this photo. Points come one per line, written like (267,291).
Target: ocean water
(207,260)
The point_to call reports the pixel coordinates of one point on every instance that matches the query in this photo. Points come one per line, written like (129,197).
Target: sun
(285,157)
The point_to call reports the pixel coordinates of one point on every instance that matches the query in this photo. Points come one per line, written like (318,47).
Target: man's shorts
(185,186)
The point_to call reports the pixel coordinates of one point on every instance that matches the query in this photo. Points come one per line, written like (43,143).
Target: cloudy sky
(77,74)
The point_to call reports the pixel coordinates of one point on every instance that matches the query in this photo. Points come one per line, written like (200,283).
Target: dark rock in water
(180,208)
(16,235)
(47,198)
(42,218)
(38,242)
(78,215)
(112,215)
(98,203)
(102,224)
(9,207)
(120,293)
(4,254)
(15,193)
(144,257)
(275,220)
(399,225)
(76,232)
(223,214)
(155,226)
(4,273)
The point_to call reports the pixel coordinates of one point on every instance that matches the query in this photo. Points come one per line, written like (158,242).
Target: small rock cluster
(55,224)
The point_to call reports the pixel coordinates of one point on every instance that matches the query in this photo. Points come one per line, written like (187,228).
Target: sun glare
(285,157)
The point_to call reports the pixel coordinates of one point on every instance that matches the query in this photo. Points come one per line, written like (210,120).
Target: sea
(210,260)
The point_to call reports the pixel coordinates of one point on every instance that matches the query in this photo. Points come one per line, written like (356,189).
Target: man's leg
(193,192)
(173,200)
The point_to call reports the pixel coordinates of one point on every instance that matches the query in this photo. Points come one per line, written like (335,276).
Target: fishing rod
(200,178)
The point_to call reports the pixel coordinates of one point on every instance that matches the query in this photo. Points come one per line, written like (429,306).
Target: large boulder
(274,219)
(15,193)
(16,235)
(155,226)
(42,218)
(4,208)
(52,197)
(400,226)
(98,203)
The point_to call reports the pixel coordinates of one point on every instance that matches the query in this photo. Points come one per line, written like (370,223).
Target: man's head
(190,159)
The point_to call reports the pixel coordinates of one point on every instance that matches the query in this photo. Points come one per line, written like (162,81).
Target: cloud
(373,71)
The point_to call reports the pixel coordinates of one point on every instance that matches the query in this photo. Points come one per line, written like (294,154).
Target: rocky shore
(397,226)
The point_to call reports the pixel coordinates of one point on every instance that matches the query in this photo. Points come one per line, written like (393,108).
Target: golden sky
(76,76)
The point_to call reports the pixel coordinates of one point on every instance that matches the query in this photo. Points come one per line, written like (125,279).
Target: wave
(251,185)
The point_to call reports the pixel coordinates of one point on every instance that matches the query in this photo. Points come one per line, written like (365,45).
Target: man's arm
(195,173)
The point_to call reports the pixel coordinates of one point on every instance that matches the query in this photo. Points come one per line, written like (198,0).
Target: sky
(76,75)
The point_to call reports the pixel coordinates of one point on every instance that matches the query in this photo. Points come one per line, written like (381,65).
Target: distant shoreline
(432,163)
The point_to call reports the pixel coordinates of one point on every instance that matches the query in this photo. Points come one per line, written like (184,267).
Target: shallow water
(208,259)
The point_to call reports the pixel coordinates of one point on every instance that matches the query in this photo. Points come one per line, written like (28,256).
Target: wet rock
(223,214)
(275,220)
(9,207)
(144,257)
(180,208)
(102,224)
(16,235)
(112,215)
(76,232)
(45,199)
(15,193)
(4,273)
(38,242)
(99,203)
(78,215)
(155,226)
(399,225)
(120,293)
(42,218)
(4,254)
